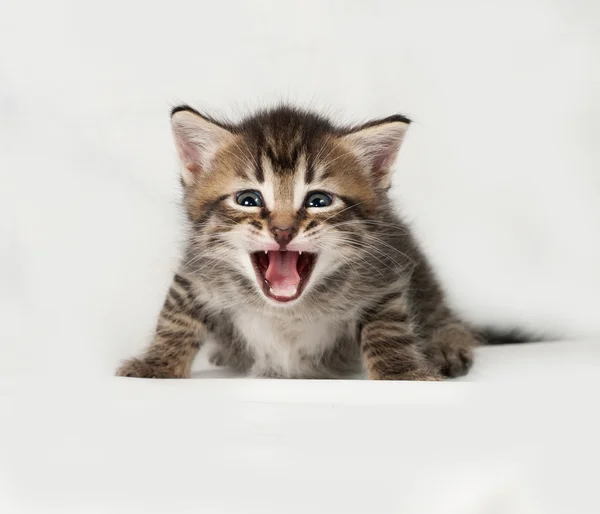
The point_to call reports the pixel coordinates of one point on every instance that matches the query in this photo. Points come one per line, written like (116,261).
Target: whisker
(358,244)
(361,262)
(343,210)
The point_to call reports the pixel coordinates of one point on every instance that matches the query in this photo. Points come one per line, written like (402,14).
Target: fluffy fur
(372,300)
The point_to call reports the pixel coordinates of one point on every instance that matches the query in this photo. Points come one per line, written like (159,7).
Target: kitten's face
(284,199)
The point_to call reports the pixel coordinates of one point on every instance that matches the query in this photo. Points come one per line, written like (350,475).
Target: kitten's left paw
(420,375)
(451,350)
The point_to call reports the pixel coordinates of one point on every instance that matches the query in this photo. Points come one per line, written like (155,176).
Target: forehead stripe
(258,169)
(310,173)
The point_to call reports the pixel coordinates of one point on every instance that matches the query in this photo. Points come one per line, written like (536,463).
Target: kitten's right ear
(197,140)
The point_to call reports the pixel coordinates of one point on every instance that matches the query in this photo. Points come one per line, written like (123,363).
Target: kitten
(296,264)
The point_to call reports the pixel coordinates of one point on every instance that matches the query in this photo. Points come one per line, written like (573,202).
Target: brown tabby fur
(374,302)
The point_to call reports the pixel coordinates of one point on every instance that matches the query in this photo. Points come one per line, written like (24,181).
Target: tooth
(265,252)
(300,253)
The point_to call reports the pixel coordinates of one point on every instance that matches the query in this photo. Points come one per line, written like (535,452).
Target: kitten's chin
(283,275)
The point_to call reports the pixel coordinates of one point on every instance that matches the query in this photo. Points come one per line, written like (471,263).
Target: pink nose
(283,235)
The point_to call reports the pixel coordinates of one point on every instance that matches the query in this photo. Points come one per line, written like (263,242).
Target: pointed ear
(197,140)
(377,144)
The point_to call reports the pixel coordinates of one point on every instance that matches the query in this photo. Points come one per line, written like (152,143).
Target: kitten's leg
(448,342)
(390,347)
(177,339)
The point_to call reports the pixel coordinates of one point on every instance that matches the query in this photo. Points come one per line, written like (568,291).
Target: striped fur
(372,300)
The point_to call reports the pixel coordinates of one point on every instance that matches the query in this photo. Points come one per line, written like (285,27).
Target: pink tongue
(282,274)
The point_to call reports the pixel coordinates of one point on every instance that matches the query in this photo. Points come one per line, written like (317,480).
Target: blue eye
(249,199)
(318,200)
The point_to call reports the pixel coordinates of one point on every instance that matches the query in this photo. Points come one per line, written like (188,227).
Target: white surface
(521,437)
(499,174)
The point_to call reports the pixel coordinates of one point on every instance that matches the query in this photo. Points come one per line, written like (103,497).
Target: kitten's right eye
(249,199)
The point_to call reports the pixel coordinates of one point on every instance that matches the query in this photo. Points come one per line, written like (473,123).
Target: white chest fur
(287,348)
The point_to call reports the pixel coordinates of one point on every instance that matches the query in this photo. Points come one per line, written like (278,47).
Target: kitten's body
(362,294)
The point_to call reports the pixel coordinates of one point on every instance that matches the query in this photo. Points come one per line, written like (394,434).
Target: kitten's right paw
(141,368)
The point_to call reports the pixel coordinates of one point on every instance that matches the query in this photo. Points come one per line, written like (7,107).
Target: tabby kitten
(296,264)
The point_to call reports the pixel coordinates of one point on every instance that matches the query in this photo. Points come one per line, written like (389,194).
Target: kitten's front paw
(451,351)
(142,368)
(422,375)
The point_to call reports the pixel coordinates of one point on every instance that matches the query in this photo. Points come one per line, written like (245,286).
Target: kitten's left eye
(318,200)
(249,199)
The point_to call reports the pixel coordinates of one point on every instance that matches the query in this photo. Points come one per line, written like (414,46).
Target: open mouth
(283,275)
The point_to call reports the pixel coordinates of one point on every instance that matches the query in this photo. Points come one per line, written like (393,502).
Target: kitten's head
(284,198)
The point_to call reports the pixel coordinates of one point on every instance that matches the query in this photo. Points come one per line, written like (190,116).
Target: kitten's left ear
(377,144)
